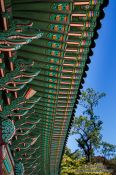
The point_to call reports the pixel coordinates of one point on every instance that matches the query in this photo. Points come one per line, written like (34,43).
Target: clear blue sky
(102,75)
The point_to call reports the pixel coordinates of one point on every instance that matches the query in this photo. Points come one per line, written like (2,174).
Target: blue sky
(102,75)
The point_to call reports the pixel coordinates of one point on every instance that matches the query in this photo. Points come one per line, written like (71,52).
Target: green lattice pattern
(8,130)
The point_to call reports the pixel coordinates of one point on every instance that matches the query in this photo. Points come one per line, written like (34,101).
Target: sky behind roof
(102,75)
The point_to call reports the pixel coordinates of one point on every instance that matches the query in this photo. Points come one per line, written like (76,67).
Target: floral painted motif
(52,86)
(59,17)
(52,80)
(59,37)
(53,74)
(54,52)
(58,27)
(53,60)
(55,45)
(61,6)
(51,67)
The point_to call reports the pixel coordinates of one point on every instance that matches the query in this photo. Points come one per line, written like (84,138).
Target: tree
(89,135)
(67,151)
(89,100)
(77,154)
(108,150)
(88,127)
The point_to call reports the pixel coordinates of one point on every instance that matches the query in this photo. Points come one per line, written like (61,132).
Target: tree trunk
(88,157)
(89,154)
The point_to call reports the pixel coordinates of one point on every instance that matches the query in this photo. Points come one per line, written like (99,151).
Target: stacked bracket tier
(18,119)
(39,103)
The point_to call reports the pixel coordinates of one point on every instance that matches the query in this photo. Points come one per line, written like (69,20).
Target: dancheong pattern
(44,52)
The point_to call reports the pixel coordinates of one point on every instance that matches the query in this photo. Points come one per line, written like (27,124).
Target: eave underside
(61,55)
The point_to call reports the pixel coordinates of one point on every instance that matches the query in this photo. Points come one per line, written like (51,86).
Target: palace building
(45,49)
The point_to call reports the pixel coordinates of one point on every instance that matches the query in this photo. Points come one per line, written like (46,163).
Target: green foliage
(70,166)
(93,173)
(77,154)
(67,151)
(88,127)
(89,134)
(93,168)
(90,99)
(108,150)
(111,164)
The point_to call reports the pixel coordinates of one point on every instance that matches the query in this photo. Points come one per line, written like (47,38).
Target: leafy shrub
(79,167)
(94,173)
